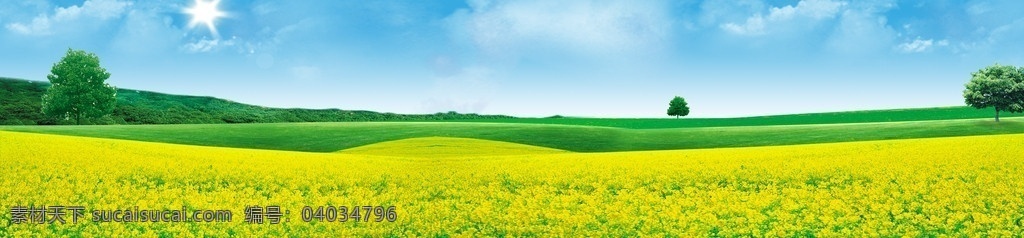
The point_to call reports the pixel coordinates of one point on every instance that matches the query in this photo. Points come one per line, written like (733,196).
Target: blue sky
(533,57)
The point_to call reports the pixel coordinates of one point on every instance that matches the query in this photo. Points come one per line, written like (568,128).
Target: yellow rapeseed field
(924,187)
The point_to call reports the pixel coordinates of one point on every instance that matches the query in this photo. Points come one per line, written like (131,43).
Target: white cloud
(995,41)
(805,9)
(207,45)
(581,26)
(712,12)
(863,29)
(468,91)
(305,72)
(44,24)
(146,32)
(444,66)
(263,9)
(919,45)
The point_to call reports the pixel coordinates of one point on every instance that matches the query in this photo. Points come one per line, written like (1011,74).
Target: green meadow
(334,136)
(218,122)
(890,115)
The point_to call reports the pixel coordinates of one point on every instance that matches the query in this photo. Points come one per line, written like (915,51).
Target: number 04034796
(349,214)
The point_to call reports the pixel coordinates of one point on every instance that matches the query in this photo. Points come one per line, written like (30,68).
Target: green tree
(677,107)
(998,86)
(78,88)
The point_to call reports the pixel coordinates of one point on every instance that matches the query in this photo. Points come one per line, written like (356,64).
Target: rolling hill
(447,147)
(888,115)
(20,102)
(334,136)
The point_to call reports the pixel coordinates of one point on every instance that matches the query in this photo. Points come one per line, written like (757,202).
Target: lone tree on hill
(78,88)
(677,107)
(997,86)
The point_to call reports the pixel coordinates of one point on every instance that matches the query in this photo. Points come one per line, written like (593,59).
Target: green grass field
(893,115)
(20,102)
(329,137)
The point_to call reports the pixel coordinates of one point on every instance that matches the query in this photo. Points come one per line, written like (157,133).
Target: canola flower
(922,187)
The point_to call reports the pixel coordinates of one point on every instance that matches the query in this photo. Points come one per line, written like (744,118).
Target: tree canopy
(677,107)
(1000,87)
(78,88)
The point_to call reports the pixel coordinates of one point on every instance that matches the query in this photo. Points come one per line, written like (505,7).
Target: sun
(205,12)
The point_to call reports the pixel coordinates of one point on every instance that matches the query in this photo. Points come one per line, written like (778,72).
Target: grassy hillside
(20,102)
(447,147)
(895,115)
(328,137)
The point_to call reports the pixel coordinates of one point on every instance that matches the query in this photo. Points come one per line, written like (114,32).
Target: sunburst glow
(205,12)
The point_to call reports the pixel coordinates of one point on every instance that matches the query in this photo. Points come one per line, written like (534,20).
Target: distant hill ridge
(21,100)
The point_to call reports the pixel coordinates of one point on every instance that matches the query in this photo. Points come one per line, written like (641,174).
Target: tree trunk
(677,116)
(78,119)
(997,114)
